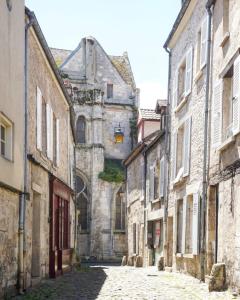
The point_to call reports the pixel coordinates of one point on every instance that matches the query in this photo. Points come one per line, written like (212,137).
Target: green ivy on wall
(113,171)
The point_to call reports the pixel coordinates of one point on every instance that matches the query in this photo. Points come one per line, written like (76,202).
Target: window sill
(155,200)
(7,159)
(190,255)
(226,143)
(181,104)
(198,75)
(179,255)
(225,39)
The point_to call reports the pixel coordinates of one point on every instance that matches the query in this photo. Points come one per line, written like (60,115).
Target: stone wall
(188,37)
(9,208)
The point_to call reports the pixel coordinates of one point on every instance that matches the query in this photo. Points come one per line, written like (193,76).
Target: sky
(139,27)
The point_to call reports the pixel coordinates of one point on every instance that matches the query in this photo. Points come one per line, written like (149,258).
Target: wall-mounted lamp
(119,134)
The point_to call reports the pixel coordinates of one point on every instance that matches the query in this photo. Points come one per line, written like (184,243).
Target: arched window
(82,203)
(81,130)
(120,212)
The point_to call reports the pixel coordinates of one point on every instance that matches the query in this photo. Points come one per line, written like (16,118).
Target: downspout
(145,201)
(75,198)
(205,153)
(23,197)
(167,152)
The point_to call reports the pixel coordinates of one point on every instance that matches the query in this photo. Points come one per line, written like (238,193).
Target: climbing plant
(113,171)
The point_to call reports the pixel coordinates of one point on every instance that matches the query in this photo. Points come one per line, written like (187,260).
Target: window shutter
(174,154)
(204,33)
(49,131)
(39,119)
(151,183)
(184,224)
(57,142)
(187,146)
(162,176)
(235,101)
(217,115)
(175,90)
(195,224)
(188,73)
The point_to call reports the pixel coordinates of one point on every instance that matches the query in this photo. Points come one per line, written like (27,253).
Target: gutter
(24,195)
(209,6)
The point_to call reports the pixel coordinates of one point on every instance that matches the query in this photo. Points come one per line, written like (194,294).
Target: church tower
(105,101)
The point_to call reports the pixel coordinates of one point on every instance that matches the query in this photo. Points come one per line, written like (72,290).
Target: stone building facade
(50,210)
(224,145)
(105,99)
(11,138)
(146,168)
(187,43)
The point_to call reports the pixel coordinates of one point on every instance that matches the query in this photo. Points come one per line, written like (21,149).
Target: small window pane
(3,152)
(110,91)
(81,130)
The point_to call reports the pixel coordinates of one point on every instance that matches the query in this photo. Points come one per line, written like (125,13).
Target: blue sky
(139,27)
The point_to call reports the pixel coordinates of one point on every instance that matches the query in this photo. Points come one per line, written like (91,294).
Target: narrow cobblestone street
(113,282)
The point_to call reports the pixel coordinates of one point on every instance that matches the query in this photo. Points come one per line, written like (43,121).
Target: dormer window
(109,91)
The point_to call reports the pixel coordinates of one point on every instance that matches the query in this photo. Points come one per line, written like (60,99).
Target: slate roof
(122,64)
(60,55)
(149,114)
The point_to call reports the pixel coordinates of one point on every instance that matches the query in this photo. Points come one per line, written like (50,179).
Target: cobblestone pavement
(112,282)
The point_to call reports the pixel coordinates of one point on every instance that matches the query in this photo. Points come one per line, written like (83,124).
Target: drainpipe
(145,202)
(167,151)
(209,5)
(23,197)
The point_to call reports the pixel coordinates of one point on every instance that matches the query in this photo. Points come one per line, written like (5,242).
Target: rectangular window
(54,139)
(109,91)
(179,225)
(156,181)
(134,237)
(120,213)
(202,45)
(181,151)
(3,140)
(6,135)
(189,225)
(44,128)
(227,105)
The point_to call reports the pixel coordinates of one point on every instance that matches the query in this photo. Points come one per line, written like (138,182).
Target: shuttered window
(175,90)
(184,224)
(151,183)
(235,101)
(217,115)
(174,154)
(188,72)
(189,224)
(195,224)
(179,225)
(39,118)
(49,131)
(203,46)
(187,146)
(162,176)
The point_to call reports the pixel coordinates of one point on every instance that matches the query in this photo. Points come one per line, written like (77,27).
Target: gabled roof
(149,114)
(120,63)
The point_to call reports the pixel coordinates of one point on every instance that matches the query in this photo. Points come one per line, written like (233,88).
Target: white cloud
(150,91)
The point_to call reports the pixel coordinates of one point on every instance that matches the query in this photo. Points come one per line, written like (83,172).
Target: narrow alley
(113,282)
